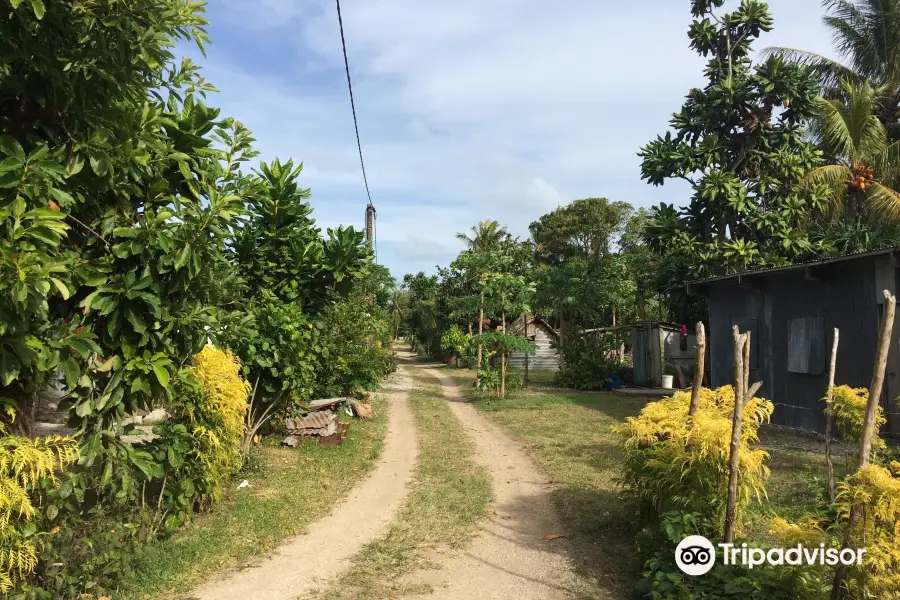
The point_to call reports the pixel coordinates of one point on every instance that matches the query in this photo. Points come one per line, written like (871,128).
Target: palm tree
(866,36)
(864,164)
(485,235)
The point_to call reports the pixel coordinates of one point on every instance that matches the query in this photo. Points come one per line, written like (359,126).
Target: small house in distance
(792,313)
(547,357)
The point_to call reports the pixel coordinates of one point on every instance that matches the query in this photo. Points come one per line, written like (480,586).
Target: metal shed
(653,344)
(547,357)
(792,313)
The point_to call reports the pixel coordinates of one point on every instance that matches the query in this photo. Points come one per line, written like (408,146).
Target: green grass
(448,496)
(568,434)
(292,489)
(541,378)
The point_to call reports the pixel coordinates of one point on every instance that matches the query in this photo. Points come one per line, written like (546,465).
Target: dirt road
(510,559)
(312,558)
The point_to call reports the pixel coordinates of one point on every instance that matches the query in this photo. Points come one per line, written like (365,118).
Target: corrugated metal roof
(319,420)
(820,261)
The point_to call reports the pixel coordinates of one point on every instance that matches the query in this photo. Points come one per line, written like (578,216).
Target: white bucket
(667,382)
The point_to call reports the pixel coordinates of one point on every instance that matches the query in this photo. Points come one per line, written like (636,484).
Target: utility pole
(370,225)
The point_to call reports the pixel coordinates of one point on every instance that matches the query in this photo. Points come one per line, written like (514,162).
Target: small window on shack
(806,345)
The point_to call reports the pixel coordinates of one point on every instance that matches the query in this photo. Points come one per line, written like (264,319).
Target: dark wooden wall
(841,295)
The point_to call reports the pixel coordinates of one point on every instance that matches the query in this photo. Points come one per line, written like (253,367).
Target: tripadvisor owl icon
(695,555)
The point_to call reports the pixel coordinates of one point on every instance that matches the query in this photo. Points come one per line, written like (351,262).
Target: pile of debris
(320,421)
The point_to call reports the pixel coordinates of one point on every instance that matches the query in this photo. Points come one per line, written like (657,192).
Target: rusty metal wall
(842,294)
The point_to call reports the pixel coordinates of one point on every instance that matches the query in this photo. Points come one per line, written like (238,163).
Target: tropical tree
(485,235)
(740,142)
(866,36)
(864,164)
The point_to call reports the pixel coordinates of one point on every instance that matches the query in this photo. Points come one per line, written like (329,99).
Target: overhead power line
(352,103)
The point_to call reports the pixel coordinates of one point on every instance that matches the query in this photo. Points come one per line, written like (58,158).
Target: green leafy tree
(589,261)
(485,235)
(741,144)
(866,36)
(865,165)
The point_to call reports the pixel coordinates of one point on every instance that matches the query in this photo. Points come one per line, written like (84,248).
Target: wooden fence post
(829,394)
(869,430)
(699,366)
(743,393)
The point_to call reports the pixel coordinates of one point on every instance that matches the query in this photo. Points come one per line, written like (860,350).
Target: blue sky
(468,109)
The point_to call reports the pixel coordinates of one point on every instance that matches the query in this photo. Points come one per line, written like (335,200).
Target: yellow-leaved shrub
(876,490)
(848,409)
(24,462)
(217,415)
(806,532)
(673,464)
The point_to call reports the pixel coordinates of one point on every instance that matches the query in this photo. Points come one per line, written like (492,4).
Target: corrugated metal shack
(792,312)
(653,344)
(546,358)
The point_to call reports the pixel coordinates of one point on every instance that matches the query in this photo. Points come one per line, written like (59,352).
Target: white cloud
(468,109)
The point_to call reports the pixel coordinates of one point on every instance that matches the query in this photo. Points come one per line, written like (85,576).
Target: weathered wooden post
(742,395)
(699,366)
(869,430)
(829,394)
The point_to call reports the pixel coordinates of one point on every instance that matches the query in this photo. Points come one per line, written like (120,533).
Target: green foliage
(848,409)
(863,165)
(455,343)
(277,347)
(498,342)
(744,159)
(356,339)
(129,238)
(675,463)
(661,579)
(582,278)
(587,365)
(23,464)
(875,490)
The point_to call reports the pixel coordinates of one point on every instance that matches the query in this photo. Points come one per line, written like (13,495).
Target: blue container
(615,381)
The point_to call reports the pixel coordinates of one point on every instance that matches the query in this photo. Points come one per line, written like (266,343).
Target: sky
(468,109)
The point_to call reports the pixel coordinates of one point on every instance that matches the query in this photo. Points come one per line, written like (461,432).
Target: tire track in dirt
(510,557)
(325,550)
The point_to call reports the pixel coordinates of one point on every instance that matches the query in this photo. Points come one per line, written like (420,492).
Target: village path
(311,559)
(510,557)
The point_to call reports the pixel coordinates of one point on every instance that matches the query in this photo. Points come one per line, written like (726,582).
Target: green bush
(356,348)
(585,365)
(661,579)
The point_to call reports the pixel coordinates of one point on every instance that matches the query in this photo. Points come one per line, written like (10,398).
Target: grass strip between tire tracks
(448,496)
(288,491)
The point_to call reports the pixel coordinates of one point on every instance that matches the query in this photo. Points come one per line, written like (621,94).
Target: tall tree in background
(741,144)
(866,36)
(485,235)
(583,277)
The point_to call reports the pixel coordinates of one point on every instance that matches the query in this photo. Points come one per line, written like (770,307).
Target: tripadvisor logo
(696,555)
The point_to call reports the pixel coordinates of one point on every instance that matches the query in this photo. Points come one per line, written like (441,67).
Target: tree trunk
(503,374)
(525,335)
(828,396)
(699,366)
(480,331)
(869,432)
(503,358)
(24,424)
